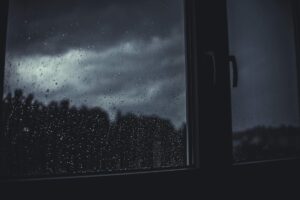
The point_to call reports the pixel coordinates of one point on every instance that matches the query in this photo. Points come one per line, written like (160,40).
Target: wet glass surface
(94,87)
(265,105)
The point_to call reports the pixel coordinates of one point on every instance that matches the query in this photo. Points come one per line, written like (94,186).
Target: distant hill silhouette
(266,143)
(60,139)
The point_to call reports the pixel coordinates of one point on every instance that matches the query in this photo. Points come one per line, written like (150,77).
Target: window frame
(203,107)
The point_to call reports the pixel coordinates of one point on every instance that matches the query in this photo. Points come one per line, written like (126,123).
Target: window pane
(94,86)
(265,105)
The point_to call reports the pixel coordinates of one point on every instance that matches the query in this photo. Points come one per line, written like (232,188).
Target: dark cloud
(126,55)
(56,26)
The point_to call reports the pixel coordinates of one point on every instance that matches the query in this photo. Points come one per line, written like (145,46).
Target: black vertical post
(296,15)
(208,85)
(3,29)
(214,87)
(192,137)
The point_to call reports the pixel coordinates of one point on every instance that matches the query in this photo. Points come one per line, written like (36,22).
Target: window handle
(235,76)
(212,57)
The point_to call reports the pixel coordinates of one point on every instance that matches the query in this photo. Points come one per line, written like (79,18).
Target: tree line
(60,139)
(266,143)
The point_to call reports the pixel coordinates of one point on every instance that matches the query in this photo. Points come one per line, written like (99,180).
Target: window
(265,104)
(94,87)
(223,114)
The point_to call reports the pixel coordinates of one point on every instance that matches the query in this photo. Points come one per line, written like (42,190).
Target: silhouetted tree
(59,138)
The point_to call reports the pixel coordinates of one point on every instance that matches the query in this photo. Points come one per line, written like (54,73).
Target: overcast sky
(129,55)
(262,37)
(116,54)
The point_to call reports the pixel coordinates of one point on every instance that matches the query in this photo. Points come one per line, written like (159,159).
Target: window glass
(265,105)
(94,86)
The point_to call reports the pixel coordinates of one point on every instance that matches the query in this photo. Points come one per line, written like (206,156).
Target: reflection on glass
(265,106)
(94,86)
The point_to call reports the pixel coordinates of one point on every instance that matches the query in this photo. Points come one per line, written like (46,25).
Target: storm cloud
(119,55)
(55,27)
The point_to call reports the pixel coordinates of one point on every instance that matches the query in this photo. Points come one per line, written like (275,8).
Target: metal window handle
(235,75)
(212,56)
